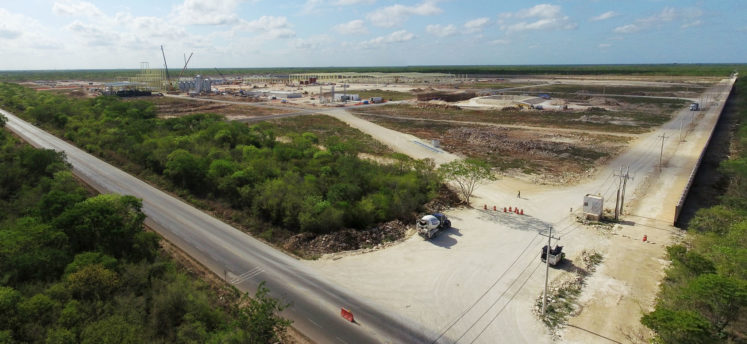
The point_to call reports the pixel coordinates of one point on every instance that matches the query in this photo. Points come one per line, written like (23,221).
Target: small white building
(593,207)
(342,97)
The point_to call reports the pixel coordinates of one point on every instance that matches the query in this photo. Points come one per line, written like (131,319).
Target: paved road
(243,260)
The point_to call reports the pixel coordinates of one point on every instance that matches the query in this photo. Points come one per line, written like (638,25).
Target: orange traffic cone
(522,212)
(485,207)
(509,210)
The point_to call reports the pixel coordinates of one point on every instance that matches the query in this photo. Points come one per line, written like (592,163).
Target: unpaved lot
(477,282)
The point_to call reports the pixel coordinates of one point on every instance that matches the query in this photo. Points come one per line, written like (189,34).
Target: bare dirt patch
(174,107)
(559,157)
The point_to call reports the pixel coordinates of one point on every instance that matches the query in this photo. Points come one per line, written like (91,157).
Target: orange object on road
(495,209)
(504,209)
(645,237)
(521,212)
(509,210)
(485,207)
(348,315)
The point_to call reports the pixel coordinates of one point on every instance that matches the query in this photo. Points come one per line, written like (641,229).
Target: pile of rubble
(434,104)
(446,198)
(310,244)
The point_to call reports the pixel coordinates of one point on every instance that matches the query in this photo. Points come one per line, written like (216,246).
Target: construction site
(599,166)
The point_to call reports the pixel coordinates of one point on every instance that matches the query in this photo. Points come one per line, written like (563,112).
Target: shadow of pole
(594,333)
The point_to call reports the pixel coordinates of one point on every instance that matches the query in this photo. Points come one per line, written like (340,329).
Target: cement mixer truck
(429,225)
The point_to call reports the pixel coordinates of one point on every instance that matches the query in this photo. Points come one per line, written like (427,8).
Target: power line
(486,291)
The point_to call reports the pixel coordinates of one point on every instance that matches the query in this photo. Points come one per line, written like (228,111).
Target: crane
(221,75)
(168,79)
(185,64)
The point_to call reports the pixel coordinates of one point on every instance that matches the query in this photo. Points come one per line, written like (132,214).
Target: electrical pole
(547,267)
(617,198)
(625,181)
(663,137)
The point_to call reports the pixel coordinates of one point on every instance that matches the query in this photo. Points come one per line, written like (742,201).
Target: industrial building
(283,94)
(196,85)
(342,97)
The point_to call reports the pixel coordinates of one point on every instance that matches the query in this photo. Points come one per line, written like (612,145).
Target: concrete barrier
(683,197)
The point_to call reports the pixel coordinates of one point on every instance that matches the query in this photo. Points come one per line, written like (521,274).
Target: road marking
(314,322)
(340,339)
(247,275)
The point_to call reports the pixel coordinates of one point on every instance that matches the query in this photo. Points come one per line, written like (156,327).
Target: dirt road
(400,142)
(476,283)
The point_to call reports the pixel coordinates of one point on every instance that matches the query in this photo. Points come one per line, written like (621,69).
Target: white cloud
(353,27)
(394,37)
(353,2)
(311,43)
(92,35)
(274,27)
(539,17)
(688,17)
(397,14)
(441,30)
(605,16)
(80,8)
(33,35)
(499,42)
(213,12)
(693,23)
(629,28)
(476,25)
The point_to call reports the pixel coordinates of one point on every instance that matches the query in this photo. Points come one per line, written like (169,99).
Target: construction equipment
(429,225)
(168,79)
(221,75)
(694,107)
(185,65)
(556,255)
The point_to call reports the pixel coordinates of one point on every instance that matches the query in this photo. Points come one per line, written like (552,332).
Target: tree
(467,174)
(259,318)
(717,298)
(678,327)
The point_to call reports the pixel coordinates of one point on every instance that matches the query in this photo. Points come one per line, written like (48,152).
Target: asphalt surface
(241,259)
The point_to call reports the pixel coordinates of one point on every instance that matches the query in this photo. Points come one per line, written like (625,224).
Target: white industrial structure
(593,207)
(196,85)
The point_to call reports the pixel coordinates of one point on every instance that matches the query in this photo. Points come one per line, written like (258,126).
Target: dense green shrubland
(80,269)
(303,184)
(704,294)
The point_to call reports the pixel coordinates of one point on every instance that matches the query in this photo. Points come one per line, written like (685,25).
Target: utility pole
(617,198)
(663,137)
(625,181)
(547,267)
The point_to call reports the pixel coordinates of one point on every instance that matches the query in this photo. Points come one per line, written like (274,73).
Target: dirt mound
(436,105)
(602,101)
(310,244)
(446,198)
(446,96)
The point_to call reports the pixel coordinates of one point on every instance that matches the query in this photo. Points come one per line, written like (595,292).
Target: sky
(73,34)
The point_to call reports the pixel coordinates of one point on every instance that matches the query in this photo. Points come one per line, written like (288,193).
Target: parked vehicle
(429,225)
(556,255)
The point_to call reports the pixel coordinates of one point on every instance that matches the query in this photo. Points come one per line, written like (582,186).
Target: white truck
(429,225)
(555,257)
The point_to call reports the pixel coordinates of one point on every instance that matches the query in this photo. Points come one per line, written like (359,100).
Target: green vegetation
(306,183)
(592,119)
(387,95)
(704,294)
(640,69)
(80,269)
(468,174)
(563,90)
